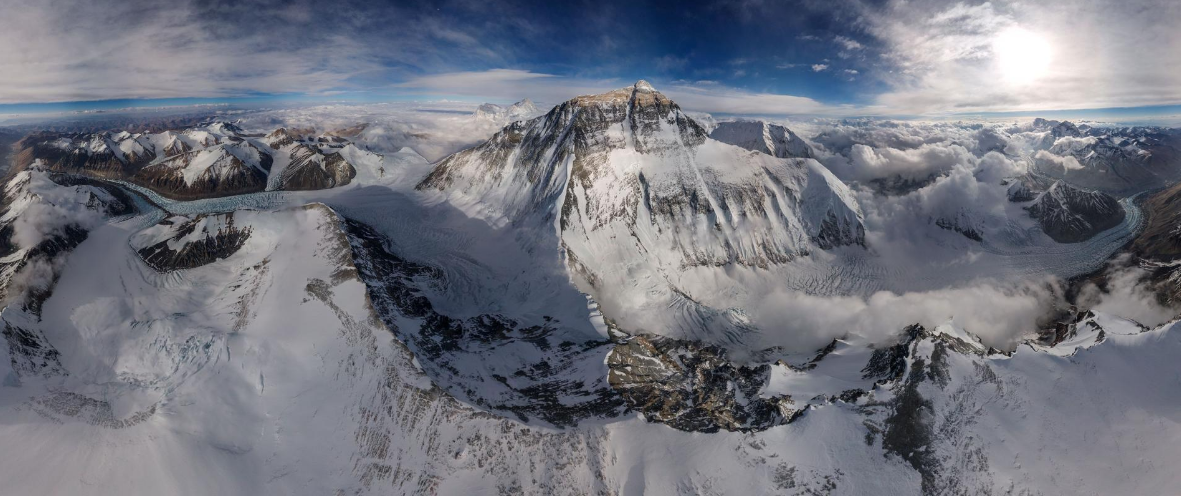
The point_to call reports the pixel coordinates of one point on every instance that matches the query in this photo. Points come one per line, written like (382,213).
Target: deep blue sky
(768,48)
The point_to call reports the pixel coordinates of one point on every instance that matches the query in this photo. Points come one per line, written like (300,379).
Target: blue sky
(836,57)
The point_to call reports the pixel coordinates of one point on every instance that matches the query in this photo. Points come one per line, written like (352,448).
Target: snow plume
(43,209)
(1046,159)
(866,163)
(38,274)
(897,226)
(994,167)
(1126,294)
(1000,314)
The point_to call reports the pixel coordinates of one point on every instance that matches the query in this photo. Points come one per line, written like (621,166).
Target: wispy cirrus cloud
(704,96)
(68,50)
(71,50)
(912,57)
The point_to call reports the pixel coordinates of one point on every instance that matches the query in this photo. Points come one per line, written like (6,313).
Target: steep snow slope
(223,381)
(407,349)
(772,139)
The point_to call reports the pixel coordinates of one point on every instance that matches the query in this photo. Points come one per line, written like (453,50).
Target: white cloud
(848,43)
(819,67)
(74,50)
(50,209)
(1126,294)
(869,163)
(1067,163)
(849,46)
(999,314)
(434,130)
(1105,54)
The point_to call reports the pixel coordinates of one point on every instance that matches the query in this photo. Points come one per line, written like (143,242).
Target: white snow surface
(267,373)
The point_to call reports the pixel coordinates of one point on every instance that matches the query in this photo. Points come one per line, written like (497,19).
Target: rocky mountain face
(1027,187)
(1069,215)
(210,160)
(634,193)
(179,243)
(225,169)
(632,154)
(962,223)
(694,387)
(532,371)
(772,139)
(1157,248)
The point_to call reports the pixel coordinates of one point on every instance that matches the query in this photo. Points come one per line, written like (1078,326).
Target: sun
(1022,56)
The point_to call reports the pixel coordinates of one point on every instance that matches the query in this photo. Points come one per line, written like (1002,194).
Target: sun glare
(1021,55)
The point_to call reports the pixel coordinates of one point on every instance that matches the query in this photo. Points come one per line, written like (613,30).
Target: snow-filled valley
(608,297)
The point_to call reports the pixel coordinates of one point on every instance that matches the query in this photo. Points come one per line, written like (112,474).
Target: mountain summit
(635,188)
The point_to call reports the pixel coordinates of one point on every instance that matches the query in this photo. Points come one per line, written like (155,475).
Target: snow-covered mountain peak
(632,185)
(643,86)
(212,159)
(524,109)
(1069,214)
(772,139)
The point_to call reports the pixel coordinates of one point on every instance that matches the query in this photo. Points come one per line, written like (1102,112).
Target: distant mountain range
(209,160)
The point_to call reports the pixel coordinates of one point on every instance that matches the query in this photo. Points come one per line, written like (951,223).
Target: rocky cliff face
(310,168)
(1069,215)
(695,387)
(180,243)
(635,190)
(230,168)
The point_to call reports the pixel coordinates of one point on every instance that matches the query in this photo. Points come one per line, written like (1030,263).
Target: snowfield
(279,338)
(603,299)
